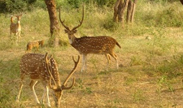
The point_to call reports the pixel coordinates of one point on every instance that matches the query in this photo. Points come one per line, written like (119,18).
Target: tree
(120,7)
(54,25)
(181,1)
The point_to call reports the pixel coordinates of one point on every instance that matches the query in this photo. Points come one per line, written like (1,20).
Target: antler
(73,70)
(80,22)
(62,22)
(48,69)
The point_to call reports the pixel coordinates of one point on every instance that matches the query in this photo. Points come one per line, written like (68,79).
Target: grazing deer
(16,27)
(44,69)
(87,45)
(35,44)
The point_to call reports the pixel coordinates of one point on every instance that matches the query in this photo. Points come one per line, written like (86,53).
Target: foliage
(77,3)
(15,5)
(110,25)
(170,17)
(159,14)
(106,2)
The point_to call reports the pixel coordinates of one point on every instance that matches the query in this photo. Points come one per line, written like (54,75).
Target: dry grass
(150,74)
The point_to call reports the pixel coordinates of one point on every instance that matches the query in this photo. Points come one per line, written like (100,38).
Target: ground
(136,84)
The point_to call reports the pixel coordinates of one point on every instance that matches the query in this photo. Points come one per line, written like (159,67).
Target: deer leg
(10,31)
(19,33)
(19,93)
(32,85)
(84,66)
(20,89)
(43,96)
(18,39)
(37,48)
(47,94)
(108,60)
(16,34)
(115,57)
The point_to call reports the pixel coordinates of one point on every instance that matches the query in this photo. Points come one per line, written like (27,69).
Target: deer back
(39,66)
(100,44)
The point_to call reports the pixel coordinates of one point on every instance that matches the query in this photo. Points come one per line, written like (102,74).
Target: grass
(150,73)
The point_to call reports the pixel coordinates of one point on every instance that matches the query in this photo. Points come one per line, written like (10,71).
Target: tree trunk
(119,10)
(129,11)
(133,11)
(122,11)
(181,1)
(117,7)
(54,25)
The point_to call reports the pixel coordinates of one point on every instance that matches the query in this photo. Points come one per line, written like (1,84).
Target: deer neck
(18,24)
(57,79)
(54,72)
(72,40)
(11,19)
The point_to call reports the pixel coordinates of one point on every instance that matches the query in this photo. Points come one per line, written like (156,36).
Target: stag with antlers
(91,45)
(44,68)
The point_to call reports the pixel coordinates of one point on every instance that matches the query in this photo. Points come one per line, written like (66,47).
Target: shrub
(110,25)
(170,17)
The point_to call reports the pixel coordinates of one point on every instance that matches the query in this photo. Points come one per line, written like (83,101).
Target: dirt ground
(133,85)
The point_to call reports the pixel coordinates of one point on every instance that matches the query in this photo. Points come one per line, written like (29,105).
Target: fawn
(35,44)
(16,27)
(44,68)
(87,45)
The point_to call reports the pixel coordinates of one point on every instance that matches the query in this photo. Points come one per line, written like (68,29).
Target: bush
(170,17)
(110,25)
(74,3)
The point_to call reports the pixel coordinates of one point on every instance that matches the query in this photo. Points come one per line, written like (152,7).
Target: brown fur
(95,45)
(35,44)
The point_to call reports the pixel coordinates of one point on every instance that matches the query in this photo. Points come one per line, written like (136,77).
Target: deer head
(72,31)
(18,18)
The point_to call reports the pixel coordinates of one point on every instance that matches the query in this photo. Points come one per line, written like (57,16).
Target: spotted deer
(90,45)
(16,27)
(35,44)
(43,68)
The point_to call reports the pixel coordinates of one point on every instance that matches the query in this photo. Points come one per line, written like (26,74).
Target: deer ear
(74,31)
(46,57)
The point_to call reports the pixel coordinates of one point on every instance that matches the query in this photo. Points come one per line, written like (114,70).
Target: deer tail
(118,44)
